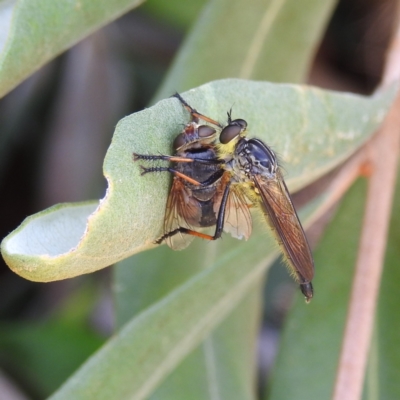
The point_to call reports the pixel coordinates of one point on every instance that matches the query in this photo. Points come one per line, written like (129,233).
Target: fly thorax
(256,158)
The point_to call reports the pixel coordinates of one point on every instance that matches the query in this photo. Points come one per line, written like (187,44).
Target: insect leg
(221,212)
(219,225)
(195,114)
(212,179)
(172,171)
(209,161)
(149,157)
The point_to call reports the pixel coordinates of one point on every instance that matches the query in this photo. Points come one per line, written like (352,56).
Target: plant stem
(383,156)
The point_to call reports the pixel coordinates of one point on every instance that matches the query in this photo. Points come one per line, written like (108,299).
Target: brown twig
(383,152)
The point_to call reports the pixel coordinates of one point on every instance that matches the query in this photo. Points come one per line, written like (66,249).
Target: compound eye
(205,131)
(234,129)
(229,133)
(179,141)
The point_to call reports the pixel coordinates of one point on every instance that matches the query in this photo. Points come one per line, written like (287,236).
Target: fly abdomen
(208,217)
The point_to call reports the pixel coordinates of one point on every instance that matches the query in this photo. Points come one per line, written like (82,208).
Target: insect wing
(238,220)
(278,206)
(181,209)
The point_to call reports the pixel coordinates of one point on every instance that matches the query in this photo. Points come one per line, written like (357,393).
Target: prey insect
(200,194)
(254,167)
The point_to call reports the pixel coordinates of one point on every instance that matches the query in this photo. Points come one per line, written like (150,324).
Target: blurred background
(56,127)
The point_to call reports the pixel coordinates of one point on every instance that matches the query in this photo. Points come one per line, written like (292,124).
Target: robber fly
(200,194)
(253,166)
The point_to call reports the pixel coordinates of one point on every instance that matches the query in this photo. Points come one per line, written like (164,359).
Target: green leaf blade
(181,320)
(271,40)
(35,31)
(129,218)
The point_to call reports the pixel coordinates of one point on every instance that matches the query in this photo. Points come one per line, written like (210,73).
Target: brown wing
(181,208)
(278,207)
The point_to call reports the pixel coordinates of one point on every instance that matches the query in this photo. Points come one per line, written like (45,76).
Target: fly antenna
(229,116)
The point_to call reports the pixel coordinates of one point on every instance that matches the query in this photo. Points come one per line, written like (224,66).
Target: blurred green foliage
(43,342)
